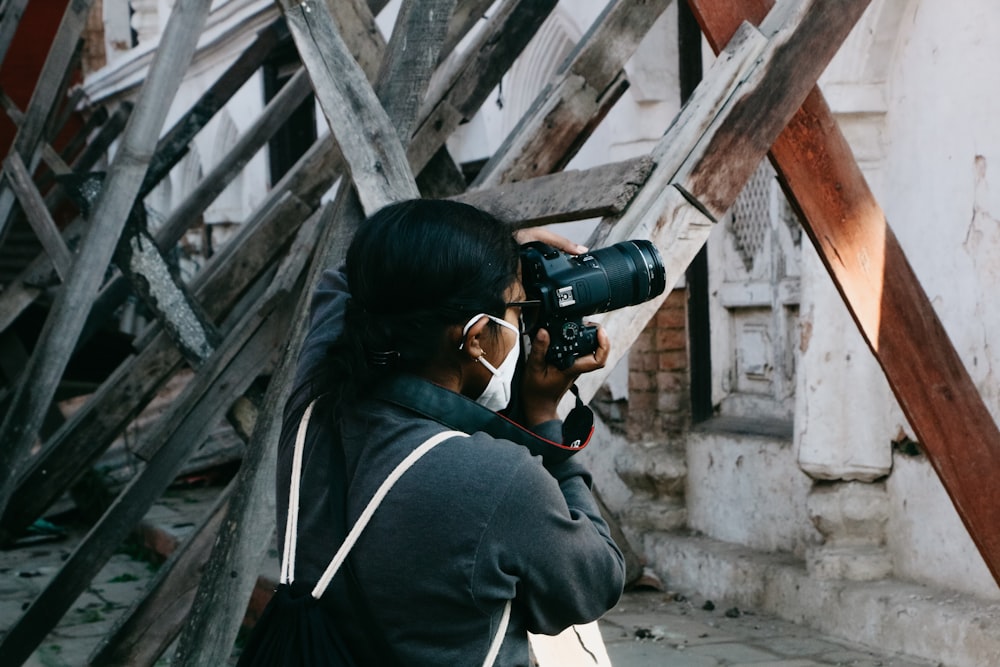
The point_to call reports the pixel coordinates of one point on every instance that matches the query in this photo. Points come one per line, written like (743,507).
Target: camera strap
(460,413)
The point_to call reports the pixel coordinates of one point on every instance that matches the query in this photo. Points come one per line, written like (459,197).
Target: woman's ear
(470,342)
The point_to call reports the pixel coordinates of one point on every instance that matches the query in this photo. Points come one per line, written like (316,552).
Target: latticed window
(750,216)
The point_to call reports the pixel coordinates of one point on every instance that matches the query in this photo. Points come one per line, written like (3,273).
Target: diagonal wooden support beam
(718,139)
(357,120)
(882,292)
(44,97)
(37,214)
(12,12)
(578,96)
(191,417)
(69,312)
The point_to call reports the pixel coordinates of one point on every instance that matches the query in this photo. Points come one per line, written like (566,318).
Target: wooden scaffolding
(387,142)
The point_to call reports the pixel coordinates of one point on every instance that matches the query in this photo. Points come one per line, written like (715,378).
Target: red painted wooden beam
(872,274)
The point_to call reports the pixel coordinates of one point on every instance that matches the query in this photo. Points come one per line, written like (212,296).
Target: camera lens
(634,271)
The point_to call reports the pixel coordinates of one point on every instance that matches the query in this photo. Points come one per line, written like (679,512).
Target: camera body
(571,287)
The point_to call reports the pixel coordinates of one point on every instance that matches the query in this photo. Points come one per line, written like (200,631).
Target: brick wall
(658,384)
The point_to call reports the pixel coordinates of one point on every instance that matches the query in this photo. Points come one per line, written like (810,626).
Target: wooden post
(90,430)
(69,312)
(366,137)
(192,415)
(457,99)
(37,214)
(576,99)
(884,296)
(29,135)
(211,186)
(12,11)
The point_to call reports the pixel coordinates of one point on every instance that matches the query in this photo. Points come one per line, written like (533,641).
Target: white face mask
(496,396)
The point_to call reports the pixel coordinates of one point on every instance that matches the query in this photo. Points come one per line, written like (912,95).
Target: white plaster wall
(749,490)
(927,540)
(943,138)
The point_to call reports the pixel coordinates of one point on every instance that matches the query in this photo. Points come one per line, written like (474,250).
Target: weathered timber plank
(366,137)
(466,14)
(606,190)
(802,37)
(406,68)
(222,174)
(145,630)
(892,311)
(37,214)
(65,100)
(29,284)
(191,417)
(220,603)
(155,282)
(88,433)
(457,99)
(97,118)
(579,95)
(12,12)
(173,146)
(72,305)
(48,154)
(29,134)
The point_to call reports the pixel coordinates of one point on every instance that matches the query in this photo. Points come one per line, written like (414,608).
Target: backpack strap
(366,515)
(292,520)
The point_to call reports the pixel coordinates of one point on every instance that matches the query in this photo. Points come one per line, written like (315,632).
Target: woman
(429,326)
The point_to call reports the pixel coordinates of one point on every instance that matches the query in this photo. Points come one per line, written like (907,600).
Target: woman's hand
(529,234)
(544,385)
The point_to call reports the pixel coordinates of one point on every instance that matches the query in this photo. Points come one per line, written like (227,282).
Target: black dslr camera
(570,287)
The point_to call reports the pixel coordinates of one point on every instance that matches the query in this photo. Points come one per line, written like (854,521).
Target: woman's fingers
(592,362)
(546,236)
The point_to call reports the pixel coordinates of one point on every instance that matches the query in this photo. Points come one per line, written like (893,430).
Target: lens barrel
(634,271)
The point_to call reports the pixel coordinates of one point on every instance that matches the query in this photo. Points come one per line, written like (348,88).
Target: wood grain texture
(366,136)
(69,312)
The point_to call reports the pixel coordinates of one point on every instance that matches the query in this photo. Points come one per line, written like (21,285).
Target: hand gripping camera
(570,287)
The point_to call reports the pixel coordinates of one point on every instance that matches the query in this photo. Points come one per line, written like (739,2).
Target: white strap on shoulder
(292,520)
(491,655)
(373,504)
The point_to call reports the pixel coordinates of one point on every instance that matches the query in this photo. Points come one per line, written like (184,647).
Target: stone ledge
(889,615)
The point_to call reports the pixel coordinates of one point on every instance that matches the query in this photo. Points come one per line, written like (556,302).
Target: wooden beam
(44,97)
(38,215)
(366,137)
(191,416)
(717,141)
(606,190)
(457,99)
(174,144)
(12,12)
(274,115)
(221,601)
(141,634)
(576,98)
(882,292)
(69,312)
(88,433)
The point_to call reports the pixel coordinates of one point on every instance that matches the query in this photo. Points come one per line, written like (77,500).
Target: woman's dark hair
(414,268)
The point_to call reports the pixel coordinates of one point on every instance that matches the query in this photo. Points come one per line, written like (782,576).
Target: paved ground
(647,629)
